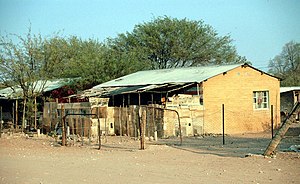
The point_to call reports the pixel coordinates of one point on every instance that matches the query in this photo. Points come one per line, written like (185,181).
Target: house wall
(235,89)
(190,113)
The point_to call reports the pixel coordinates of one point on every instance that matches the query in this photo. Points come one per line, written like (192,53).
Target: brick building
(198,93)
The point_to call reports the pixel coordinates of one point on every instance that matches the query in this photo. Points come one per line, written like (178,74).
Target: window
(261,99)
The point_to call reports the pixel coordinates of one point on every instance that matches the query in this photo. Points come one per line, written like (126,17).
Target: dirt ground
(25,159)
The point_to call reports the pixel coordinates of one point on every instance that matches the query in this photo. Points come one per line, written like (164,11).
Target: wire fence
(160,122)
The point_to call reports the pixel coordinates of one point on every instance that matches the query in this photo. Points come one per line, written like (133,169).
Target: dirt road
(42,160)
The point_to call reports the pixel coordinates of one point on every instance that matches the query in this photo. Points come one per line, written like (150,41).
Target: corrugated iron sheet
(164,76)
(40,86)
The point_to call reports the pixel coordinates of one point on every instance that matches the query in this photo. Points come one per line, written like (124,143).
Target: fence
(160,121)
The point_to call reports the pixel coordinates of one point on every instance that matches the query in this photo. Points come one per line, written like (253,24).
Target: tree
(286,65)
(168,43)
(24,64)
(86,61)
(77,58)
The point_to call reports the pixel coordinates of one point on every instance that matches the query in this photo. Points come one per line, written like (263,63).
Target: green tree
(82,59)
(23,64)
(286,65)
(168,42)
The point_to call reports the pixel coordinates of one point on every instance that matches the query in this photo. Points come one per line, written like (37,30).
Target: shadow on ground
(235,146)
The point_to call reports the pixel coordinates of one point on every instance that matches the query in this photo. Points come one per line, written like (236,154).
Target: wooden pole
(63,126)
(99,133)
(120,121)
(282,130)
(73,128)
(0,121)
(82,129)
(35,113)
(127,116)
(90,132)
(153,119)
(24,111)
(16,123)
(139,118)
(13,114)
(142,114)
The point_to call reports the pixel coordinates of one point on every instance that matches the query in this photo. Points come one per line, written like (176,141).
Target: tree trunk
(17,114)
(24,112)
(35,113)
(282,130)
(277,138)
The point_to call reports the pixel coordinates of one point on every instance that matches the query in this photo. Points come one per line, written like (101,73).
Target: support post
(63,126)
(282,130)
(17,113)
(142,118)
(0,121)
(13,116)
(82,129)
(223,123)
(35,113)
(120,122)
(99,133)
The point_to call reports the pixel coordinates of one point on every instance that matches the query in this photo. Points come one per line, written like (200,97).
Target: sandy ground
(197,160)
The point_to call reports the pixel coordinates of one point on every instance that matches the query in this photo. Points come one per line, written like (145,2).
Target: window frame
(261,99)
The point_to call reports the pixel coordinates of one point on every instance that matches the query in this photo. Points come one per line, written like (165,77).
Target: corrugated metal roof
(41,86)
(286,89)
(163,76)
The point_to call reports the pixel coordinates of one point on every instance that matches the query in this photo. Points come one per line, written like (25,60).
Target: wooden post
(16,128)
(120,121)
(281,132)
(73,126)
(277,138)
(142,118)
(13,115)
(90,131)
(127,116)
(147,123)
(139,118)
(134,120)
(63,126)
(82,130)
(23,117)
(0,121)
(153,119)
(99,133)
(35,113)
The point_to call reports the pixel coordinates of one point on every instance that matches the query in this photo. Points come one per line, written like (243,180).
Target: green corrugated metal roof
(174,75)
(50,85)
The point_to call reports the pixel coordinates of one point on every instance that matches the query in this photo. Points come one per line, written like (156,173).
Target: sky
(259,28)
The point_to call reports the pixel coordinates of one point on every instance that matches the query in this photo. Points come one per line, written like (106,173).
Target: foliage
(82,59)
(286,65)
(168,42)
(24,63)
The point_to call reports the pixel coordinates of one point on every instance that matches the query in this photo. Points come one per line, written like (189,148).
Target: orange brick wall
(235,90)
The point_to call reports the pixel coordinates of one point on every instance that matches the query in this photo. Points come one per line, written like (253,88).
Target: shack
(288,97)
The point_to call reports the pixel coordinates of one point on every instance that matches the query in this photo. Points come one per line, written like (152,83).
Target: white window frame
(260,100)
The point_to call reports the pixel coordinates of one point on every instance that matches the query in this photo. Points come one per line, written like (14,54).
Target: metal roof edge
(247,65)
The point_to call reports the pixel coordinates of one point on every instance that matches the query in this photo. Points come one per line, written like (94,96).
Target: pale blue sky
(259,28)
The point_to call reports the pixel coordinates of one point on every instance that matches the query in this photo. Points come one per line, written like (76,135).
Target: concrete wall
(190,113)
